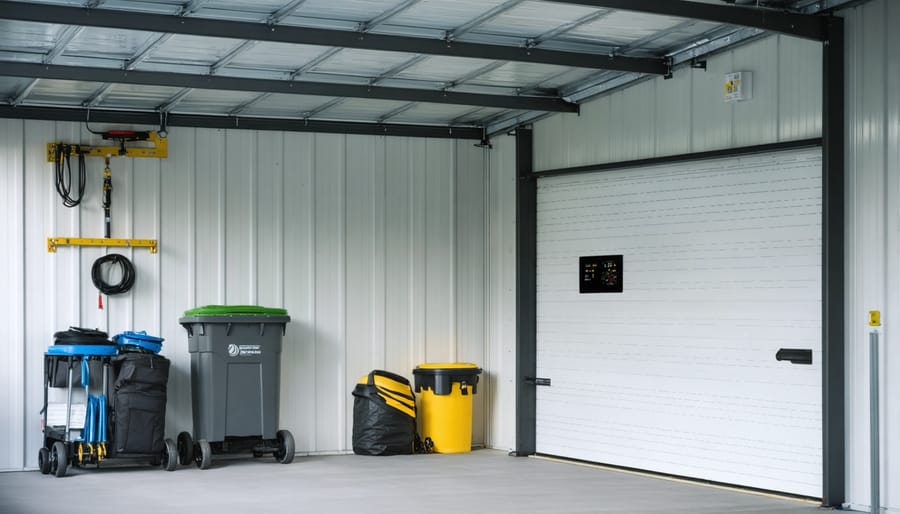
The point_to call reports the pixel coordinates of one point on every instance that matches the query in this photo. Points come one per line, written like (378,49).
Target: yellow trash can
(445,393)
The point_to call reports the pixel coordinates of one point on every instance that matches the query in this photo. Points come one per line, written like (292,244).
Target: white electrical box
(738,86)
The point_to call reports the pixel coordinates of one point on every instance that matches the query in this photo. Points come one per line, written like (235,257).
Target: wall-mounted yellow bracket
(53,242)
(160,149)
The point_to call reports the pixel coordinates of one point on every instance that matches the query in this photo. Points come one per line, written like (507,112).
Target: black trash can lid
(456,369)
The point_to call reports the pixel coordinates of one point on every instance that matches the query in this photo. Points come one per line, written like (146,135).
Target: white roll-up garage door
(721,268)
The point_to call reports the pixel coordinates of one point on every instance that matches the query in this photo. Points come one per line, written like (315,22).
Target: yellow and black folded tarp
(384,415)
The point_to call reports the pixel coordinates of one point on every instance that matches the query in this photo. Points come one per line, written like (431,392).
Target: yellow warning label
(874,318)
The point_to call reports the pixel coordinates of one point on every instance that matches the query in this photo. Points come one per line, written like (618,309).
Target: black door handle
(795,355)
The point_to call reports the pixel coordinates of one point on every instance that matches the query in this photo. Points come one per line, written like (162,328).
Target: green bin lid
(234,310)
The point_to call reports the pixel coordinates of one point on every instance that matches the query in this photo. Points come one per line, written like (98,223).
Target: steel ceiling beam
(170,79)
(230,122)
(800,25)
(165,23)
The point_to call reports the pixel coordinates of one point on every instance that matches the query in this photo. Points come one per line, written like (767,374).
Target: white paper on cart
(56,415)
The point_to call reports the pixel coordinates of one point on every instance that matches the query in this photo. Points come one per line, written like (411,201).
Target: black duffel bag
(139,408)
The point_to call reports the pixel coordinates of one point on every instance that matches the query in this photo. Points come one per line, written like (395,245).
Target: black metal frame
(833,379)
(800,25)
(526,295)
(833,409)
(232,122)
(290,87)
(167,23)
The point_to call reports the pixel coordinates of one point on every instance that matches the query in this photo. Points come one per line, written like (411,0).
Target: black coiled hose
(63,168)
(128,274)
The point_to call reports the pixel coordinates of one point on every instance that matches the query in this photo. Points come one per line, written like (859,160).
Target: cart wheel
(185,448)
(170,456)
(285,452)
(203,454)
(44,461)
(59,460)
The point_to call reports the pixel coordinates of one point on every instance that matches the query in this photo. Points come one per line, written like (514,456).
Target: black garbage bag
(384,415)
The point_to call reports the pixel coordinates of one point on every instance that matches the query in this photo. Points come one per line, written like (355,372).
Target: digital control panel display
(600,274)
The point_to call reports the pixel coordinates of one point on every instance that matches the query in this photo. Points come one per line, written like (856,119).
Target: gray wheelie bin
(235,376)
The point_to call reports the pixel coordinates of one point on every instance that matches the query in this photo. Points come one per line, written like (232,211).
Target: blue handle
(101,415)
(85,373)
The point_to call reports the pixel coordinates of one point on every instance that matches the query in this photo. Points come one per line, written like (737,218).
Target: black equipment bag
(139,408)
(78,335)
(384,415)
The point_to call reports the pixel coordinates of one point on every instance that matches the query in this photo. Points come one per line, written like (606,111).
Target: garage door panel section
(677,374)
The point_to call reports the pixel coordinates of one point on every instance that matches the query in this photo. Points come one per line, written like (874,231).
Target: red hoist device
(128,143)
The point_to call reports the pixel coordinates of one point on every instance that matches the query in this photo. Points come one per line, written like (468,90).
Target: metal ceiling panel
(111,43)
(429,114)
(278,55)
(443,15)
(62,92)
(442,69)
(285,105)
(10,87)
(28,36)
(355,10)
(531,19)
(11,55)
(698,32)
(194,50)
(623,27)
(211,101)
(246,9)
(128,96)
(513,74)
(360,109)
(368,63)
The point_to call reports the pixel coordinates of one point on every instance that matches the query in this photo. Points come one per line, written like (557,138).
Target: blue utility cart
(70,442)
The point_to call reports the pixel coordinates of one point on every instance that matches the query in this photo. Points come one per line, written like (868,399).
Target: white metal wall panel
(722,267)
(873,267)
(690,114)
(12,284)
(499,378)
(375,245)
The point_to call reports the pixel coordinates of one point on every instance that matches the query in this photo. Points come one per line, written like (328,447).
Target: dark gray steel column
(526,294)
(833,264)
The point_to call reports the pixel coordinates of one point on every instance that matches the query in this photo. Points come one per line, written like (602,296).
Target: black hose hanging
(128,274)
(63,167)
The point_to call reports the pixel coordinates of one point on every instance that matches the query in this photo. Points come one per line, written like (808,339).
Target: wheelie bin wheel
(203,454)
(170,456)
(285,452)
(59,459)
(185,448)
(44,461)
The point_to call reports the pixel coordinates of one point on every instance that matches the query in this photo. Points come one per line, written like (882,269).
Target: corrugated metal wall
(688,113)
(873,242)
(378,247)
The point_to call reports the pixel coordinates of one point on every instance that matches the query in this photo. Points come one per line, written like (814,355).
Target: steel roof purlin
(800,25)
(155,78)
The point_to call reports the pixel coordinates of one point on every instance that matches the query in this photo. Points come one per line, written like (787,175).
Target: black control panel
(600,274)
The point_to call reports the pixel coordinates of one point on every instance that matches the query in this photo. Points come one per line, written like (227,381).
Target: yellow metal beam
(160,149)
(53,242)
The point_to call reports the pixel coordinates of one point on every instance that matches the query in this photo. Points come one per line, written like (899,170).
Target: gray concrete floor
(483,481)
